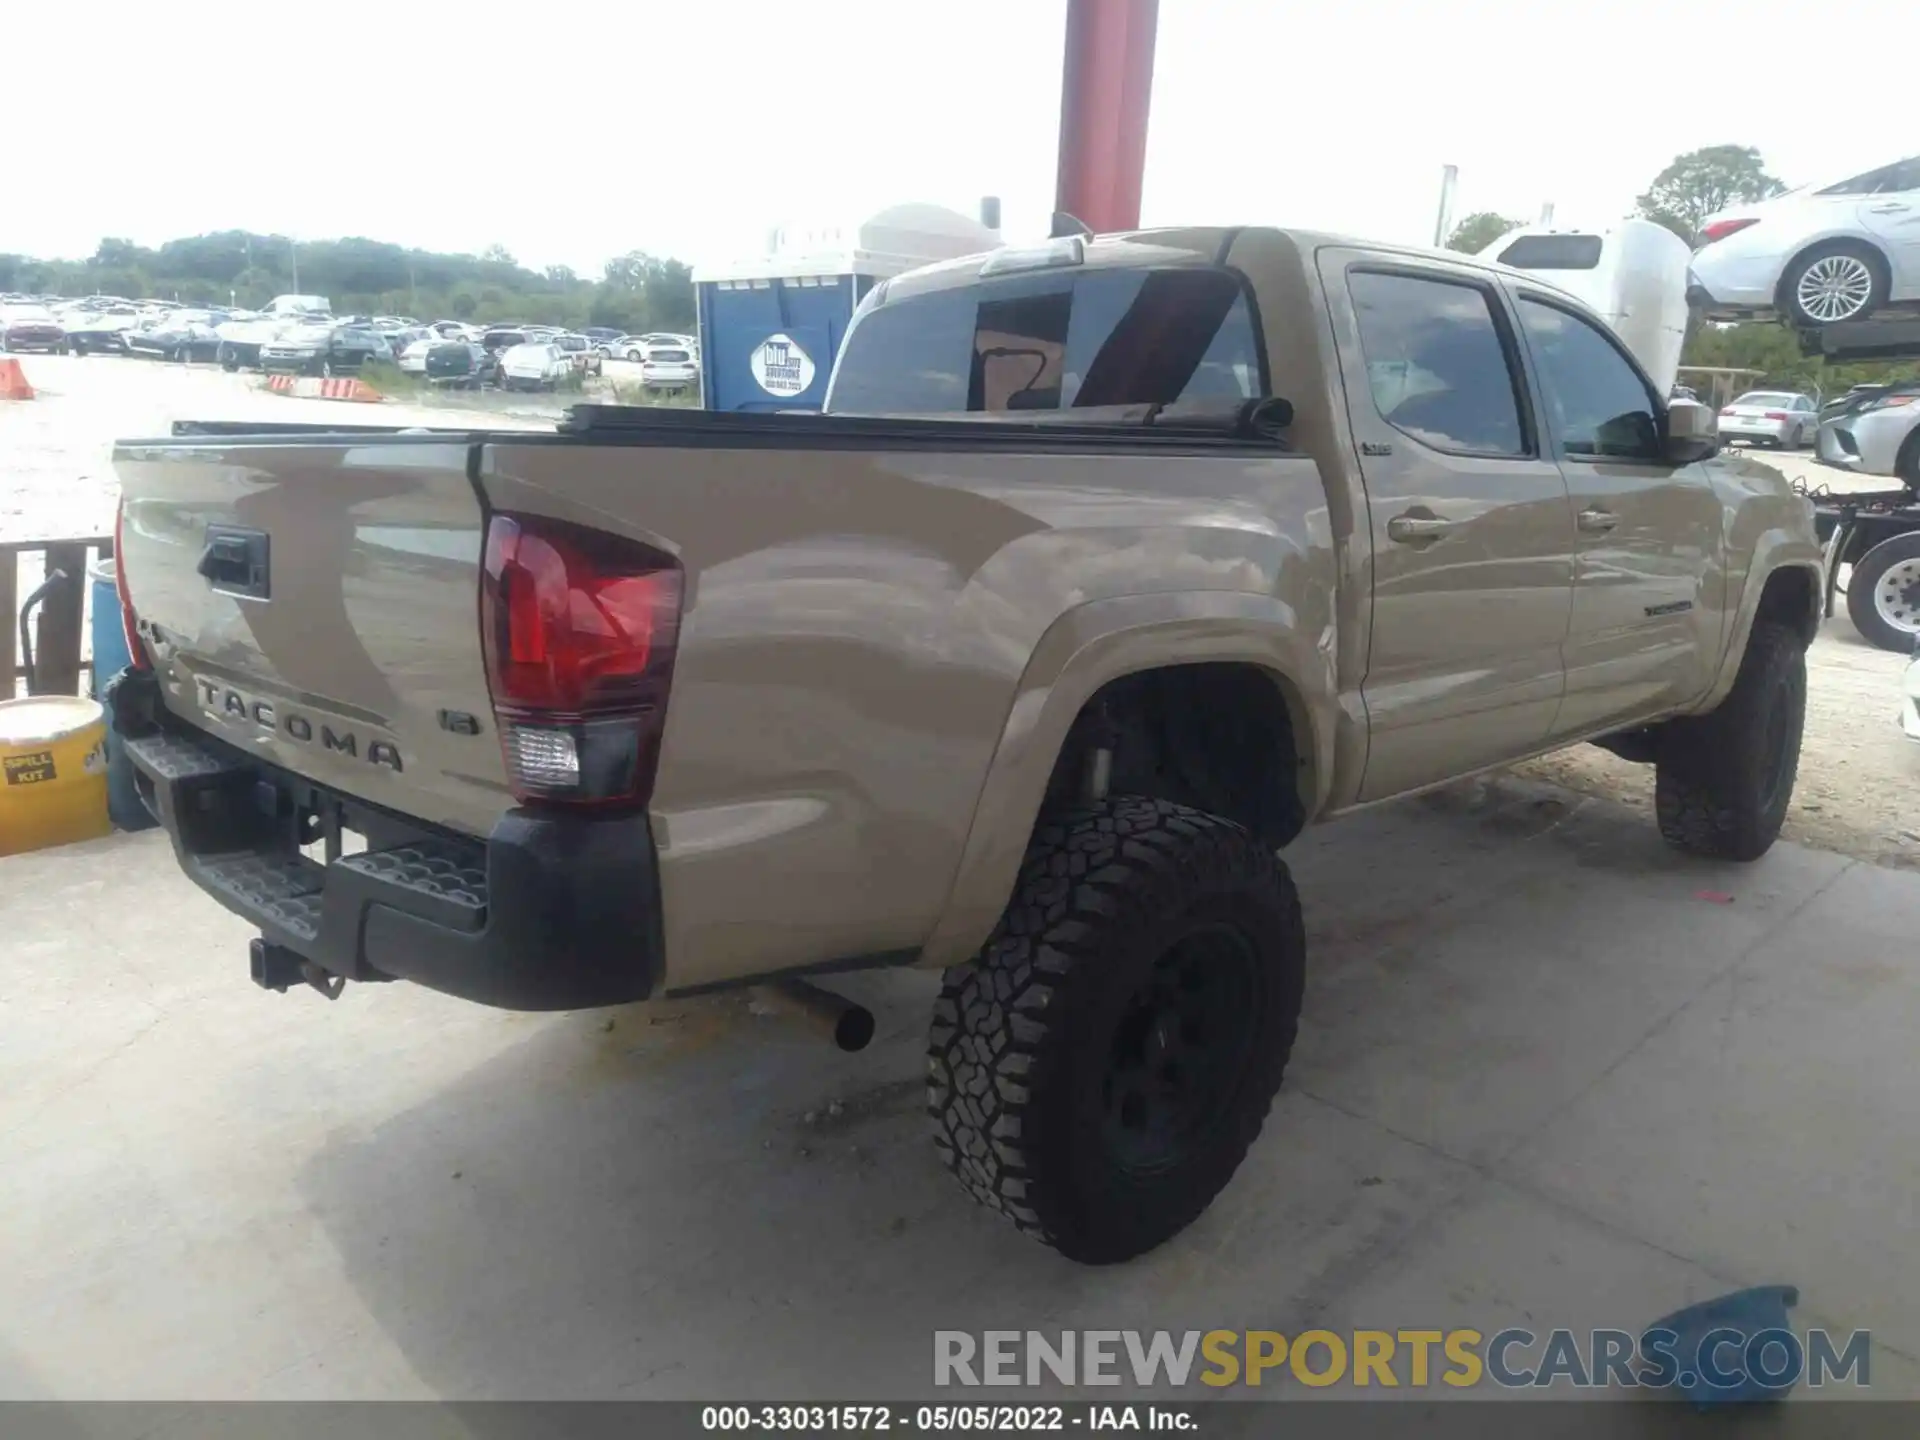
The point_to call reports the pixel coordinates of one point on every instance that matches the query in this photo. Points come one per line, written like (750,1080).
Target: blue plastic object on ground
(110,657)
(1733,1350)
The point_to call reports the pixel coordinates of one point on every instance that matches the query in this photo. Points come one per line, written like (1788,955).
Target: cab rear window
(1054,342)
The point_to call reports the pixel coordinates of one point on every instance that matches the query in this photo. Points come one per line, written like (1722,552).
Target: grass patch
(393,382)
(632,392)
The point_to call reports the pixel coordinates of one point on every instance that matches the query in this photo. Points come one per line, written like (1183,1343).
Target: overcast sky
(569,132)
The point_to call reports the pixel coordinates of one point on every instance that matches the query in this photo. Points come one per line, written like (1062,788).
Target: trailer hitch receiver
(275,968)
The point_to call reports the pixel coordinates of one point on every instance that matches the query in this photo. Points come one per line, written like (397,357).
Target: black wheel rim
(1180,1050)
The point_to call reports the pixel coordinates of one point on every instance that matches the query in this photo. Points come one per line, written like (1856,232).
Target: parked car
(580,350)
(1854,397)
(1880,437)
(669,369)
(1062,788)
(324,350)
(241,338)
(32,327)
(101,329)
(602,338)
(634,347)
(1815,256)
(532,366)
(1778,418)
(413,359)
(503,337)
(459,365)
(185,335)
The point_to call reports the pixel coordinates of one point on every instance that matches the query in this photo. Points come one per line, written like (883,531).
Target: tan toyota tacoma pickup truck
(1112,564)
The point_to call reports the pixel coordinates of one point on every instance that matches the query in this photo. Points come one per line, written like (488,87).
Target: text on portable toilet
(772,323)
(781,367)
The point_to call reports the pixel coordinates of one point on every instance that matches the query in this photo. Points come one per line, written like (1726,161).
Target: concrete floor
(1543,1080)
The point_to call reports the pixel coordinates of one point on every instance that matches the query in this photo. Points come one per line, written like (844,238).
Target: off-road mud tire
(1022,1034)
(1723,780)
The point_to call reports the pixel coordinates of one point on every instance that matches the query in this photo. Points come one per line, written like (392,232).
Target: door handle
(1894,209)
(1411,529)
(1597,522)
(234,561)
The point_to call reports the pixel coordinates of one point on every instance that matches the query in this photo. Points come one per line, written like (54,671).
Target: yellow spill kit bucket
(53,772)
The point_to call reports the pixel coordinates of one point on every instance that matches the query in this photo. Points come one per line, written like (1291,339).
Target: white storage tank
(1634,275)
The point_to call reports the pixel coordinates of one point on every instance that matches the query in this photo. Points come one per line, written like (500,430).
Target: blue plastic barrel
(110,657)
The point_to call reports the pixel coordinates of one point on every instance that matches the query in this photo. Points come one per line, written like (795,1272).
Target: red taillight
(579,629)
(1776,414)
(129,622)
(1721,229)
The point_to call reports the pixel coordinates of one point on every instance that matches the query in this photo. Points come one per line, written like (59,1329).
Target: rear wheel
(1840,281)
(1097,1073)
(1723,781)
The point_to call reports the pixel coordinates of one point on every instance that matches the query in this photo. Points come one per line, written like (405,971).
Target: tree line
(1681,197)
(635,292)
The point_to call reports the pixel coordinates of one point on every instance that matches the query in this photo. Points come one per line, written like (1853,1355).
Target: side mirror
(1692,432)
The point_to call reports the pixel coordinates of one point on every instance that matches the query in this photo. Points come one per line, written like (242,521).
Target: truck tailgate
(315,601)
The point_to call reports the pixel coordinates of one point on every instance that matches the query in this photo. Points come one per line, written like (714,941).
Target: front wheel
(1723,781)
(1097,1073)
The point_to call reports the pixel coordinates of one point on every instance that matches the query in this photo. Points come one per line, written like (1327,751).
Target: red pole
(1104,98)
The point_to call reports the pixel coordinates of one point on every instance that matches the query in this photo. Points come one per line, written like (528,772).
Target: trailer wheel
(1883,593)
(1097,1073)
(1723,781)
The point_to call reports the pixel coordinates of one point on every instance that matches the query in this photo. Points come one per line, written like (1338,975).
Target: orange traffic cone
(13,380)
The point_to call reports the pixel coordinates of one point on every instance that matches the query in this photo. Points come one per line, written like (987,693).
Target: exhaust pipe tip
(848,1025)
(854,1029)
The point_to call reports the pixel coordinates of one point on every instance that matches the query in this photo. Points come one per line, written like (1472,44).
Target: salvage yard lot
(1550,1073)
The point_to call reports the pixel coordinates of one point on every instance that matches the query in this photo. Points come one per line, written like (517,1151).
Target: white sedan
(413,359)
(1816,256)
(540,366)
(1770,417)
(635,347)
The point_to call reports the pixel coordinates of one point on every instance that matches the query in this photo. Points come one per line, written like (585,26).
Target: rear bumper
(1774,432)
(549,912)
(1727,285)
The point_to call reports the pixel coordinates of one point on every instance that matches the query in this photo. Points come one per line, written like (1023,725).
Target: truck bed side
(861,604)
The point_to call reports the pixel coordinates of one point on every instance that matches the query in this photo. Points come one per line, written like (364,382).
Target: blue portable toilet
(771,325)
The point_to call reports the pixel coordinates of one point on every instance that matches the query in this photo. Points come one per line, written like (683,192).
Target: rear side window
(1436,364)
(1052,342)
(1887,180)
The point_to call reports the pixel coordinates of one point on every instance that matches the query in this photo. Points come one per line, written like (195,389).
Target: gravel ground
(1859,787)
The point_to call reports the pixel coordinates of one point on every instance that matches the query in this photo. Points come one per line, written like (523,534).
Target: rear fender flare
(1083,650)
